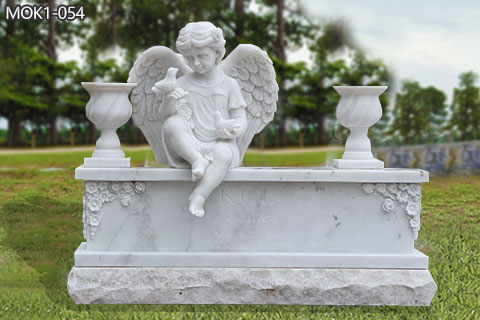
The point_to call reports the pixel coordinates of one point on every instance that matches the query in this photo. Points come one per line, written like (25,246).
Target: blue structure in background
(400,158)
(455,156)
(434,159)
(470,157)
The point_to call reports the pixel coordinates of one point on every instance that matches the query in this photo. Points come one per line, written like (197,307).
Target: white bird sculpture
(225,123)
(168,84)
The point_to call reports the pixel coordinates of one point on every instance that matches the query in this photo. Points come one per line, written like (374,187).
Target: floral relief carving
(98,193)
(406,196)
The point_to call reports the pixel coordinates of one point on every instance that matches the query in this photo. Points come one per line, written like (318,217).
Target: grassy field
(40,228)
(146,158)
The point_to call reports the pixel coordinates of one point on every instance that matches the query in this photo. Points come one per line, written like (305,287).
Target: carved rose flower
(402,196)
(94,204)
(416,197)
(115,187)
(402,186)
(392,188)
(102,185)
(381,187)
(127,187)
(139,187)
(104,196)
(412,209)
(368,187)
(388,205)
(184,111)
(414,189)
(84,208)
(125,200)
(414,224)
(94,221)
(90,187)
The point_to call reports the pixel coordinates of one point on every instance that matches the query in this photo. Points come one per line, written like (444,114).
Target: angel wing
(151,67)
(253,70)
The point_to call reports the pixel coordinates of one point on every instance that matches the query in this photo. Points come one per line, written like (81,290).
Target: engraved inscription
(250,216)
(242,239)
(258,195)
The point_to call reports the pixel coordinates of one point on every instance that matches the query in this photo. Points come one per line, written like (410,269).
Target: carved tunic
(203,101)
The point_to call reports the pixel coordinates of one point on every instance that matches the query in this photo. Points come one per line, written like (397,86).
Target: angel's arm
(237,124)
(240,116)
(233,127)
(169,103)
(237,106)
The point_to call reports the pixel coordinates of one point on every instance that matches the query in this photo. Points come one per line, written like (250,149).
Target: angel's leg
(222,158)
(181,141)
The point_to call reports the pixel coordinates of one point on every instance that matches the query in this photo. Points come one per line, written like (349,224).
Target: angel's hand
(225,134)
(226,129)
(168,106)
(175,95)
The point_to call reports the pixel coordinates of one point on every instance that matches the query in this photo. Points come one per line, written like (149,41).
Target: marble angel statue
(198,111)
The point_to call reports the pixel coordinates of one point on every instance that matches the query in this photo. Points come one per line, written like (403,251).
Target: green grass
(62,160)
(295,159)
(40,228)
(142,157)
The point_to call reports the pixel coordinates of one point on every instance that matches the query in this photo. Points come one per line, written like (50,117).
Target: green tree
(28,52)
(419,113)
(313,98)
(282,25)
(466,107)
(24,83)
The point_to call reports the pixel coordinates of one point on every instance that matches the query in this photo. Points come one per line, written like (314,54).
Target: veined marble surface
(248,217)
(86,258)
(319,174)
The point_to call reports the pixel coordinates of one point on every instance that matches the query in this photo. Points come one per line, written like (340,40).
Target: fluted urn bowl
(359,108)
(108,108)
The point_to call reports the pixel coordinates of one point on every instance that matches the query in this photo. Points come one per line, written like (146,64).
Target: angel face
(201,60)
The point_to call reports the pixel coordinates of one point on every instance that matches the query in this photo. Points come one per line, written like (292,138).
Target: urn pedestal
(359,109)
(108,108)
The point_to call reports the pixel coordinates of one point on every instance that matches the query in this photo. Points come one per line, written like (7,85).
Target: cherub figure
(205,118)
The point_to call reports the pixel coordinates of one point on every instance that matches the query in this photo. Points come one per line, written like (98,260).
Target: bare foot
(196,204)
(198,168)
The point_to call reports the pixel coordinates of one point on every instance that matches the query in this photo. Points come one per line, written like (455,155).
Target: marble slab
(250,174)
(269,236)
(86,258)
(107,162)
(289,286)
(248,217)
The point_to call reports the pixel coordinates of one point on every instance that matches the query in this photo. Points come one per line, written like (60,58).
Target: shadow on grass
(44,232)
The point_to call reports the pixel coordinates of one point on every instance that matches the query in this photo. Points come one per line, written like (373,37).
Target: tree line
(36,89)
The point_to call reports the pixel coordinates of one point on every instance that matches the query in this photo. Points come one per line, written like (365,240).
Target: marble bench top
(283,174)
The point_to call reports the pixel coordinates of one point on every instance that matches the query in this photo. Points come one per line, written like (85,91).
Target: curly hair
(199,35)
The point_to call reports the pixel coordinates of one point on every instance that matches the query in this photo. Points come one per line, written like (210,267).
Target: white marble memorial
(205,231)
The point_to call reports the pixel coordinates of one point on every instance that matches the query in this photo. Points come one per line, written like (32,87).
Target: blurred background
(425,52)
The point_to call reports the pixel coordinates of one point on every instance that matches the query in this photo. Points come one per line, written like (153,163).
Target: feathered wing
(254,72)
(151,67)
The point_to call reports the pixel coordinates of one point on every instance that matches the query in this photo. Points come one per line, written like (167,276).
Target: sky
(431,41)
